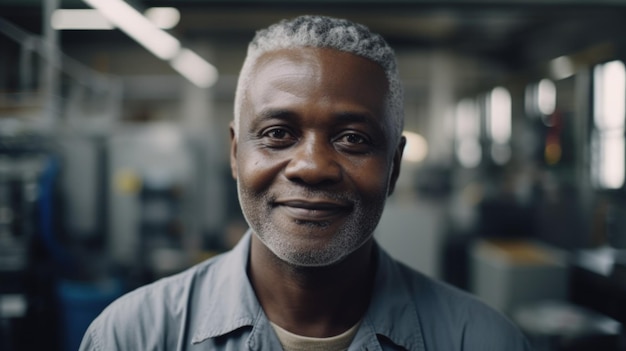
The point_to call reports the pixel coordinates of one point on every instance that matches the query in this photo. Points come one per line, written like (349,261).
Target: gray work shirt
(212,306)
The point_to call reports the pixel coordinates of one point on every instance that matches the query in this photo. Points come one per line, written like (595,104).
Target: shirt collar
(392,312)
(233,303)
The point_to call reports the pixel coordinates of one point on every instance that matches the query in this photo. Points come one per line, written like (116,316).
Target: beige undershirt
(294,342)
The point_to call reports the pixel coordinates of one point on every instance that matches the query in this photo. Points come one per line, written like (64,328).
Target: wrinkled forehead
(327,72)
(307,54)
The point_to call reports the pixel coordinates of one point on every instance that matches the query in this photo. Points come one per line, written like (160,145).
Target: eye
(277,133)
(277,137)
(354,142)
(353,138)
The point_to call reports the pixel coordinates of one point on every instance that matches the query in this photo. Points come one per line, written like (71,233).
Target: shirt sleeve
(124,325)
(149,318)
(90,340)
(127,324)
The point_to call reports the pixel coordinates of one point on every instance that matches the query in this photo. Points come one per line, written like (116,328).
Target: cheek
(370,179)
(256,171)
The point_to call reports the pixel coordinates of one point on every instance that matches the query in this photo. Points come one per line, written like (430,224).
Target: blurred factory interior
(114,154)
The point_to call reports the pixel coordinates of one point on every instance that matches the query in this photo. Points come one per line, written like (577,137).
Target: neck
(312,301)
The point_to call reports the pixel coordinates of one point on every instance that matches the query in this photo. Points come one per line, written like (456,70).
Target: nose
(313,162)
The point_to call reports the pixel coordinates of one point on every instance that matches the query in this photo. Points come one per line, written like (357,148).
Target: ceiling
(513,33)
(505,36)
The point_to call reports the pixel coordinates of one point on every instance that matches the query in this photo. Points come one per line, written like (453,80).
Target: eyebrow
(342,117)
(355,117)
(269,114)
(273,113)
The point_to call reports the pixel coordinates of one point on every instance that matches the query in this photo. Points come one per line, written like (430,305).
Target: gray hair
(327,32)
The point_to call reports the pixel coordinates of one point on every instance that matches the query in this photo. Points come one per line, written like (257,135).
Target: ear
(233,150)
(395,166)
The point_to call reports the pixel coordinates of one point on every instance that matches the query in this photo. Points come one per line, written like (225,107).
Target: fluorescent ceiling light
(163,17)
(89,19)
(195,68)
(79,19)
(138,27)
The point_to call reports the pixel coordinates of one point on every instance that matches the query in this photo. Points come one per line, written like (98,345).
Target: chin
(313,253)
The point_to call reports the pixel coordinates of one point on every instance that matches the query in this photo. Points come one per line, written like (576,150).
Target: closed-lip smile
(313,209)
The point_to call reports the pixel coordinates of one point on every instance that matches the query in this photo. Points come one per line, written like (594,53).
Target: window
(467,133)
(499,124)
(608,146)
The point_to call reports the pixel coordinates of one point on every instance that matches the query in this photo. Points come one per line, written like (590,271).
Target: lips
(316,210)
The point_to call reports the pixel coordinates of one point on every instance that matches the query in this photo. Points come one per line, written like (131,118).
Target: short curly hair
(327,32)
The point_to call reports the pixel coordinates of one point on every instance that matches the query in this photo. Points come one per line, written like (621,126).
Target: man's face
(313,156)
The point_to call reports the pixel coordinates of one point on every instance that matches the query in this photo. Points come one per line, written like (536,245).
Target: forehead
(296,75)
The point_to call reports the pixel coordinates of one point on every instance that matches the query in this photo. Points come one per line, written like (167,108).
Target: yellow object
(127,181)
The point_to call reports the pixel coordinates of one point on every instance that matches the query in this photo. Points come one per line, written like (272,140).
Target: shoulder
(150,317)
(448,312)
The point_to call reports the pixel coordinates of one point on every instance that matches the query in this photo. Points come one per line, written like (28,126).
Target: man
(316,150)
